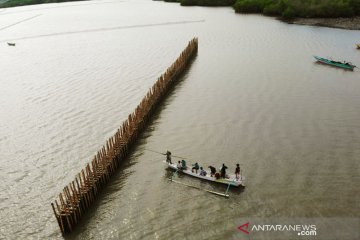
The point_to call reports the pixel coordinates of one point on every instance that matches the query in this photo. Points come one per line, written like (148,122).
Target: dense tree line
(285,8)
(300,8)
(204,2)
(14,3)
(207,2)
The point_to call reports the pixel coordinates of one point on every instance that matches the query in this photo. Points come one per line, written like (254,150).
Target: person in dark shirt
(179,165)
(212,171)
(168,157)
(223,171)
(237,171)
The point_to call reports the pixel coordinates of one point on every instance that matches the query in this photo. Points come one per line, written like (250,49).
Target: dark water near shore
(252,96)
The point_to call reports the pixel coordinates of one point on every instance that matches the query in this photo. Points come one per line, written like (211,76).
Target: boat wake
(100,29)
(24,20)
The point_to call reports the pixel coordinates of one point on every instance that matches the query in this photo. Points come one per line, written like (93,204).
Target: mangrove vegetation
(14,3)
(300,8)
(211,3)
(286,8)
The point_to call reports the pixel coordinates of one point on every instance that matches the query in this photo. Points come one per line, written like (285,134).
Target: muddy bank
(345,23)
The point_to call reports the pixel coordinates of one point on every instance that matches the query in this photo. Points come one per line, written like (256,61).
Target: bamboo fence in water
(78,195)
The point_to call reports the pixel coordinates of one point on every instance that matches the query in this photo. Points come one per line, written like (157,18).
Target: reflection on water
(253,96)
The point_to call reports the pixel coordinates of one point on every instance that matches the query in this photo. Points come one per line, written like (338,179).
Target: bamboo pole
(76,199)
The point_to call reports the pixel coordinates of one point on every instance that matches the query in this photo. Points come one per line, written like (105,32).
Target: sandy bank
(345,23)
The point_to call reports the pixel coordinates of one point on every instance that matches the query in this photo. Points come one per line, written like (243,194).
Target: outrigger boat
(345,65)
(231,180)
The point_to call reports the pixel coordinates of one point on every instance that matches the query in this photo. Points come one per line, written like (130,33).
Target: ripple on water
(293,125)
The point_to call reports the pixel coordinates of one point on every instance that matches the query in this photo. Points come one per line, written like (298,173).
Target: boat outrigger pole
(227,190)
(206,190)
(180,157)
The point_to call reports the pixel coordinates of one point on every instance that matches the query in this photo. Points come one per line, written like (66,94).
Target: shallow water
(253,95)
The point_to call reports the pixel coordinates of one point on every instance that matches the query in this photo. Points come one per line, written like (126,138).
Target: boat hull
(334,63)
(231,180)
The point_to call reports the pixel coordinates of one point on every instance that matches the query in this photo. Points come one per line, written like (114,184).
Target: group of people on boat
(181,165)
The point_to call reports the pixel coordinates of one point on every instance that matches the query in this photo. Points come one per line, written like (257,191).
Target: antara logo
(244,228)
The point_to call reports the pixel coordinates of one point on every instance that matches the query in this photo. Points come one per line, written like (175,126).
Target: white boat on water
(231,179)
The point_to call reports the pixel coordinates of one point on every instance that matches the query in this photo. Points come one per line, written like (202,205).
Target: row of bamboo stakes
(78,196)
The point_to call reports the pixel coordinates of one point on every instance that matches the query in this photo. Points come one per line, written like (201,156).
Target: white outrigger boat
(230,181)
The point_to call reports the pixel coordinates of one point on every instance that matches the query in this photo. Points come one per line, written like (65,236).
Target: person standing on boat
(168,157)
(223,171)
(237,171)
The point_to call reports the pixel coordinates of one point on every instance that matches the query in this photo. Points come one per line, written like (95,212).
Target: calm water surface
(253,96)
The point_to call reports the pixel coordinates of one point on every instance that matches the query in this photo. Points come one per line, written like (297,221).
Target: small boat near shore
(344,65)
(11,44)
(230,180)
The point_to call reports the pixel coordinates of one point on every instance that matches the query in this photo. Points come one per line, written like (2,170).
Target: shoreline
(351,23)
(342,23)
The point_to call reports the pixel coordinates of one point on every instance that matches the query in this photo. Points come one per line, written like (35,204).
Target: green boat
(345,65)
